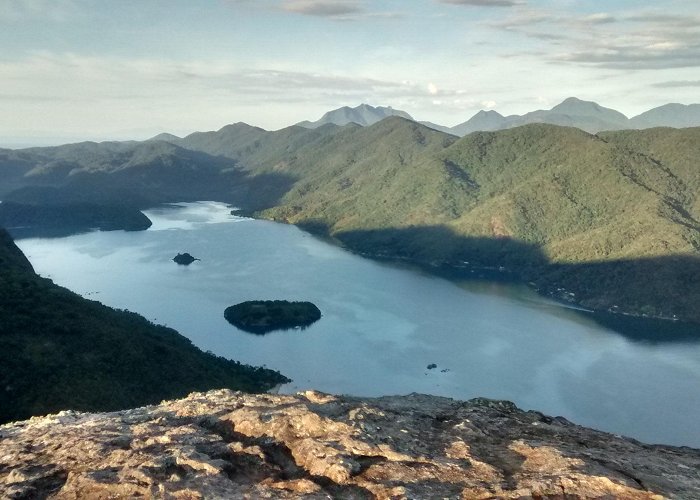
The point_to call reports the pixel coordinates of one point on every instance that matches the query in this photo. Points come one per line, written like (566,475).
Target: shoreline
(553,291)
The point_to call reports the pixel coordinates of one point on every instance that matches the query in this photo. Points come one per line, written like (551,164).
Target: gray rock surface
(223,444)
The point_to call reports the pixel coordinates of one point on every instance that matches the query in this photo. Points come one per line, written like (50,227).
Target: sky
(129,69)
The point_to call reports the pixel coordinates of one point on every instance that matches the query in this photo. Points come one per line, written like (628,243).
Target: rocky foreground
(223,444)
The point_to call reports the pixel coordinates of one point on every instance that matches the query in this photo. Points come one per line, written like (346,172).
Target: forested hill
(611,218)
(612,223)
(60,351)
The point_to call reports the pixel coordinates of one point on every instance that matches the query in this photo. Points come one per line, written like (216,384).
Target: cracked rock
(223,444)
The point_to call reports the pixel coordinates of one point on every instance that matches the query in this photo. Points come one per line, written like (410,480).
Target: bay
(382,323)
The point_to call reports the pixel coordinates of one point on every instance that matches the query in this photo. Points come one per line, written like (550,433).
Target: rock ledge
(223,444)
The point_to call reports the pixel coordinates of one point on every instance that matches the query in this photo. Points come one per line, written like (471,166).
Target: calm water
(382,324)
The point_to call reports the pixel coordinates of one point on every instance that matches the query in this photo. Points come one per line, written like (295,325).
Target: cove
(383,323)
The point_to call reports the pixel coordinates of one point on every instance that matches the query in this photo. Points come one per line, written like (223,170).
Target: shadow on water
(647,330)
(654,290)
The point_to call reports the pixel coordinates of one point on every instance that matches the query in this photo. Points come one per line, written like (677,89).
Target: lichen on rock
(223,444)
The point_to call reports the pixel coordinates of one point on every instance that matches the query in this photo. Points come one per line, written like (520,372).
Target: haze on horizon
(131,69)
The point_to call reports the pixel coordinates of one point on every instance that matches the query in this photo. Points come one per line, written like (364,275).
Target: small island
(263,316)
(184,259)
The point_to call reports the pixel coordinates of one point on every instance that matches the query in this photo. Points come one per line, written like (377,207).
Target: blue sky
(86,69)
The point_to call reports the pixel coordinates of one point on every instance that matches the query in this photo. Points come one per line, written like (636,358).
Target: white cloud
(53,10)
(677,84)
(599,18)
(484,3)
(75,93)
(645,39)
(323,8)
(230,64)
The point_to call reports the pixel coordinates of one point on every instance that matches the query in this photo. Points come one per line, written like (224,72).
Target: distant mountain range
(364,115)
(572,112)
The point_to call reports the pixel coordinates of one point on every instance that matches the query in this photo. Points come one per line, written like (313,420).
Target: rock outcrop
(223,444)
(184,259)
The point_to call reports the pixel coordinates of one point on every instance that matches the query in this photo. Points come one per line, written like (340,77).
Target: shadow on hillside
(147,186)
(258,192)
(659,286)
(662,286)
(440,244)
(111,198)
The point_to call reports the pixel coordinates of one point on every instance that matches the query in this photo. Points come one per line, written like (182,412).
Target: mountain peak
(484,120)
(487,112)
(165,137)
(669,115)
(579,107)
(576,104)
(573,99)
(364,115)
(238,126)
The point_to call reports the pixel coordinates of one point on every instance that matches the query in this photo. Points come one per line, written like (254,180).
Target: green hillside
(611,218)
(137,175)
(677,151)
(576,196)
(60,351)
(377,176)
(555,205)
(141,174)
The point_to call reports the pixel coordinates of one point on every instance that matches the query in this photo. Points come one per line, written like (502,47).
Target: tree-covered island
(263,316)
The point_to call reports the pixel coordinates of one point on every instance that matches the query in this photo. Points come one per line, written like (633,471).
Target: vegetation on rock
(263,316)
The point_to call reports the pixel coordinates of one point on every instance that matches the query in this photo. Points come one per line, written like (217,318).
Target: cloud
(73,93)
(599,18)
(524,19)
(48,76)
(53,10)
(484,3)
(557,22)
(677,84)
(669,20)
(654,47)
(323,8)
(337,10)
(635,57)
(625,40)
